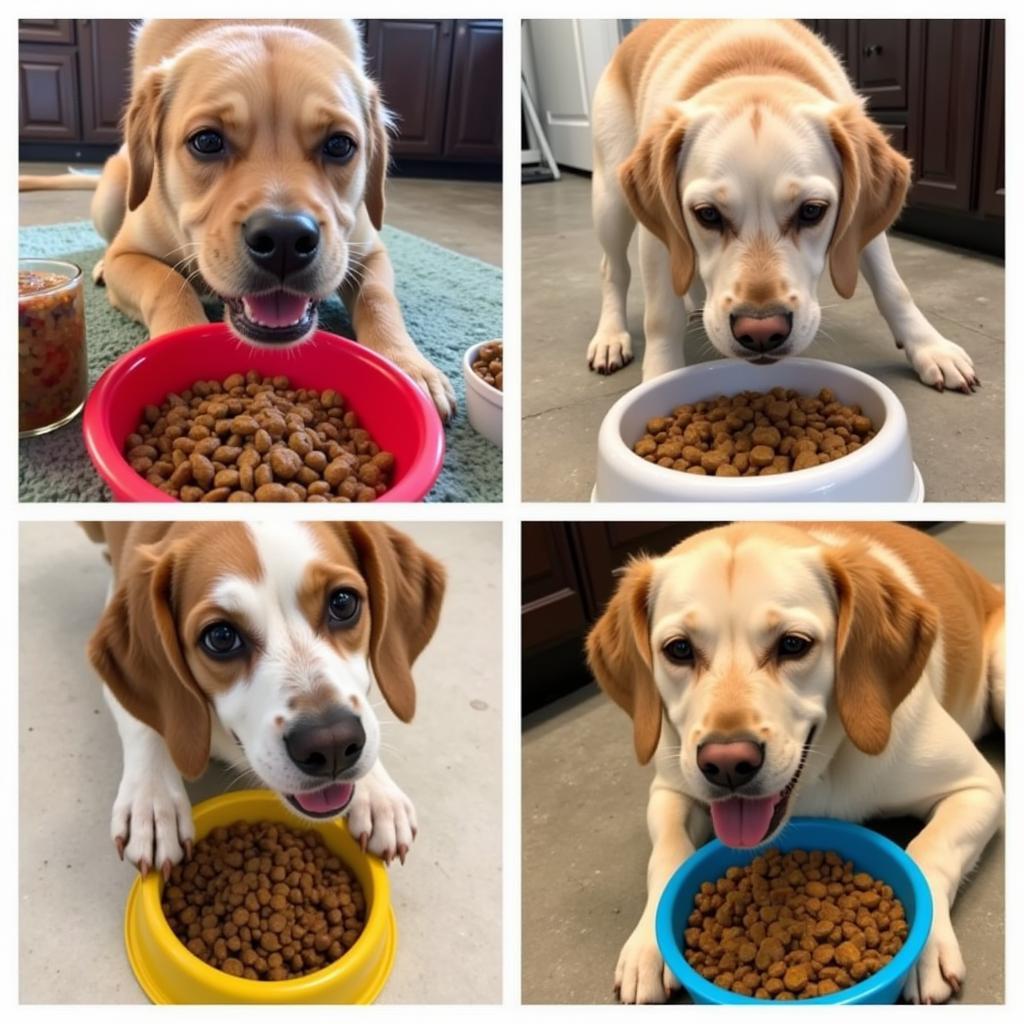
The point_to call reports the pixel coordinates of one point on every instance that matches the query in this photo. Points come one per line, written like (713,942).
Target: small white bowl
(483,402)
(882,470)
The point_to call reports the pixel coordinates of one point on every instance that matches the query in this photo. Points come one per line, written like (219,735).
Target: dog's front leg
(641,975)
(963,800)
(938,361)
(381,817)
(664,312)
(151,823)
(151,292)
(369,295)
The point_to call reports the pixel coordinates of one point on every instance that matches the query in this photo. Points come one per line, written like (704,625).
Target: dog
(838,669)
(258,644)
(746,156)
(253,167)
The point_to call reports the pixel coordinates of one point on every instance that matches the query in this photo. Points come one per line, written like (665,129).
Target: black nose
(326,745)
(281,243)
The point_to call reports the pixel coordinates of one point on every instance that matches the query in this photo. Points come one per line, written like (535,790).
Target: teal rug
(450,302)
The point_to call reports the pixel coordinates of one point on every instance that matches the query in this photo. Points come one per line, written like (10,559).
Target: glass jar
(53,373)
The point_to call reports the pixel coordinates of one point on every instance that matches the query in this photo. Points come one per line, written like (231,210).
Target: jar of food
(53,374)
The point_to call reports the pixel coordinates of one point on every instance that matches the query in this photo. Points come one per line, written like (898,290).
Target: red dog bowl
(398,415)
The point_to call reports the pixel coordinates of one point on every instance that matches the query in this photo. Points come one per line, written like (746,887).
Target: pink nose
(762,333)
(730,764)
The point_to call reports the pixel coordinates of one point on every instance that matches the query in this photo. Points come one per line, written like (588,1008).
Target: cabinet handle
(872,49)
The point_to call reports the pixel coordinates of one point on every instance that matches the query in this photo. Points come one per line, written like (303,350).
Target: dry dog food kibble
(487,365)
(253,439)
(793,926)
(754,434)
(264,901)
(52,368)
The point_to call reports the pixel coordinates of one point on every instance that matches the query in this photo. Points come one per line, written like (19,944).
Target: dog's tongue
(742,822)
(275,309)
(323,801)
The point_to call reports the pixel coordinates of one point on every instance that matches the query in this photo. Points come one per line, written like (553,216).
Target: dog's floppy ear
(875,179)
(884,636)
(650,181)
(379,121)
(142,133)
(137,652)
(619,653)
(406,587)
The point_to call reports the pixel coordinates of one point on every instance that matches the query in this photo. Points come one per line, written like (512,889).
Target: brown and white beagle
(259,644)
(833,669)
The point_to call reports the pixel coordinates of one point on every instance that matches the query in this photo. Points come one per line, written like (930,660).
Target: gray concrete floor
(447,897)
(585,844)
(957,440)
(461,215)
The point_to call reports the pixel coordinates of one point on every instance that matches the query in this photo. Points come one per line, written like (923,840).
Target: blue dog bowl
(869,851)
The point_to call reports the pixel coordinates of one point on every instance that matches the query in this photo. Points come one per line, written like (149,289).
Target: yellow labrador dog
(746,156)
(837,669)
(254,163)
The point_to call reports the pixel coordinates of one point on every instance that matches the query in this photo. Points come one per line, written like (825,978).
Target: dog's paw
(608,352)
(939,973)
(641,975)
(151,824)
(434,384)
(942,364)
(382,819)
(97,273)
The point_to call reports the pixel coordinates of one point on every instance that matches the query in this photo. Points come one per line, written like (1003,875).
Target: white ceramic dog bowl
(483,402)
(882,470)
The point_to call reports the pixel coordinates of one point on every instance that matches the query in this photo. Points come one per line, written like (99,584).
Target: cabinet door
(835,32)
(992,167)
(47,100)
(473,129)
(411,61)
(945,58)
(880,61)
(104,55)
(552,603)
(46,30)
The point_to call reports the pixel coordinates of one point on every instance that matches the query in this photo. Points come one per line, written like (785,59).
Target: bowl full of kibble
(269,908)
(827,912)
(198,416)
(483,372)
(798,430)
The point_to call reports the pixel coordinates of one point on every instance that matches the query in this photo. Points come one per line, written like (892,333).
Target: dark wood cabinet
(48,94)
(46,30)
(442,79)
(105,81)
(936,86)
(553,605)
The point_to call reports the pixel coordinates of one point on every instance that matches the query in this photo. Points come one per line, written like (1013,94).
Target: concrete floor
(461,215)
(585,844)
(957,440)
(447,897)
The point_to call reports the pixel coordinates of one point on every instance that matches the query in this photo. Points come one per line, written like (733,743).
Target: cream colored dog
(838,669)
(746,156)
(253,167)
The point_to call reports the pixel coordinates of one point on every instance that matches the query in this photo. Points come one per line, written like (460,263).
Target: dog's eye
(679,651)
(222,640)
(206,143)
(792,645)
(343,607)
(811,213)
(709,216)
(339,147)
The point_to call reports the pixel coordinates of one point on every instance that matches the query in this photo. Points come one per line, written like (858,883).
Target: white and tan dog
(745,154)
(258,644)
(839,669)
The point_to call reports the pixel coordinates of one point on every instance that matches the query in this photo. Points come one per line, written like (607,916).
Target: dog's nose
(326,745)
(761,333)
(730,764)
(281,243)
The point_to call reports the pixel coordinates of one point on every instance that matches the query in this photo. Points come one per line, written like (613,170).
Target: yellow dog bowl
(169,973)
